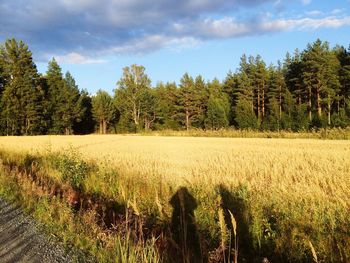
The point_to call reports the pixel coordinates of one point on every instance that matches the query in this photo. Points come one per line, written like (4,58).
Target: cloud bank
(82,31)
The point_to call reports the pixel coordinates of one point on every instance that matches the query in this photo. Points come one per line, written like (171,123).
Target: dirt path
(22,241)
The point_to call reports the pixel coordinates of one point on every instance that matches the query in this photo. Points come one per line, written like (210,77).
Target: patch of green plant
(72,168)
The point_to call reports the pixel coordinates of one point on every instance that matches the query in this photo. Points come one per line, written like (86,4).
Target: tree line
(309,89)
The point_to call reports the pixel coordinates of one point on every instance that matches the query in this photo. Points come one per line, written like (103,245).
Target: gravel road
(22,241)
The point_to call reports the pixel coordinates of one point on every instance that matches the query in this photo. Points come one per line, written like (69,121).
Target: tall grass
(276,196)
(322,133)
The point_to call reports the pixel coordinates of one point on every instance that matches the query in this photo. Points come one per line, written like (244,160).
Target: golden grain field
(296,191)
(315,167)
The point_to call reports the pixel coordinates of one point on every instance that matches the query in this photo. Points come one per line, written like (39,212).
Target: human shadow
(184,232)
(236,203)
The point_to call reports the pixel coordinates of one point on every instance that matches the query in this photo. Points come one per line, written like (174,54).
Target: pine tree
(166,106)
(331,88)
(293,75)
(149,108)
(245,102)
(20,102)
(319,76)
(103,110)
(343,96)
(202,95)
(260,80)
(277,87)
(189,102)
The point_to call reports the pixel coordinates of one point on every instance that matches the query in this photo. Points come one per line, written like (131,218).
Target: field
(290,198)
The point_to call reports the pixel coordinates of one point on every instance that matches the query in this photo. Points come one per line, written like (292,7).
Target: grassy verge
(329,134)
(24,180)
(124,217)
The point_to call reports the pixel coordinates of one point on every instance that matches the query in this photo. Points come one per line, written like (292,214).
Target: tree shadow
(184,232)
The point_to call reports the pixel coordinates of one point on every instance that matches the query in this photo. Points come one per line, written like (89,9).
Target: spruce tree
(72,110)
(57,97)
(86,122)
(244,115)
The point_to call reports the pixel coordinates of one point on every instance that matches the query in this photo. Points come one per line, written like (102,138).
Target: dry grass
(304,184)
(268,164)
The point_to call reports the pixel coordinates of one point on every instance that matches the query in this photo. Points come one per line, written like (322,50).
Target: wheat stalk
(313,251)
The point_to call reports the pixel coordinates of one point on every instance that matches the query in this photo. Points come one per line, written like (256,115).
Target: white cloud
(228,27)
(76,58)
(80,31)
(154,42)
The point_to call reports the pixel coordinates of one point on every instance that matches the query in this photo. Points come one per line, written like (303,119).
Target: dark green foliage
(244,115)
(103,109)
(72,109)
(309,90)
(216,115)
(21,98)
(72,168)
(218,107)
(300,120)
(86,123)
(65,102)
(166,95)
(190,110)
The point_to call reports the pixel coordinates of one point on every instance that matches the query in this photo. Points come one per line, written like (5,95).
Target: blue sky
(95,39)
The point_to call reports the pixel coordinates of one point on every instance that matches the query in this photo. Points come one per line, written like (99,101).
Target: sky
(95,39)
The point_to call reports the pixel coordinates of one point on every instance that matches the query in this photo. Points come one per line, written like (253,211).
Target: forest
(309,89)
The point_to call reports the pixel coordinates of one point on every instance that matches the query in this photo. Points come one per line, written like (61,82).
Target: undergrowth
(322,133)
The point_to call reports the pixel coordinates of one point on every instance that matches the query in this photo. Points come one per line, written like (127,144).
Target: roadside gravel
(22,239)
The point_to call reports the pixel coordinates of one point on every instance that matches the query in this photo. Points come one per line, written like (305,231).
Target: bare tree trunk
(101,126)
(280,102)
(104,127)
(259,115)
(319,109)
(135,115)
(263,101)
(329,110)
(310,105)
(187,120)
(27,126)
